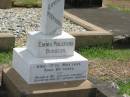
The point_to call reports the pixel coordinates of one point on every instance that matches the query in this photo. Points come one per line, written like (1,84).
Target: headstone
(49,55)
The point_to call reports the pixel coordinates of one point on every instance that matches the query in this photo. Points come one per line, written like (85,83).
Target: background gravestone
(5,4)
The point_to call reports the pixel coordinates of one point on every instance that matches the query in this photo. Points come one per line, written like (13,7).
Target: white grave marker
(49,54)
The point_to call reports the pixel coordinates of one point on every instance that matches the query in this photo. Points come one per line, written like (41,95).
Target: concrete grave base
(7,41)
(17,87)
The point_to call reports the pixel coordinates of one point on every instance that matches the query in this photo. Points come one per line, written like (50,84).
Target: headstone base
(17,87)
(43,70)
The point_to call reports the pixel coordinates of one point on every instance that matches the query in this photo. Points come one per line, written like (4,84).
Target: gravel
(20,21)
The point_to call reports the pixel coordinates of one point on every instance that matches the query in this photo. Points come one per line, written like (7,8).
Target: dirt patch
(109,70)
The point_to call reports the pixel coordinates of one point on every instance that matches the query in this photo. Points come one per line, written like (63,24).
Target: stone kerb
(95,36)
(5,4)
(7,41)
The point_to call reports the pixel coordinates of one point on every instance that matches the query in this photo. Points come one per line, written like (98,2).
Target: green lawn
(102,53)
(5,57)
(90,53)
(122,5)
(124,87)
(27,3)
(37,3)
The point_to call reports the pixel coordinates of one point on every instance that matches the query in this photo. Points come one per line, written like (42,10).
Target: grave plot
(29,20)
(92,36)
(49,58)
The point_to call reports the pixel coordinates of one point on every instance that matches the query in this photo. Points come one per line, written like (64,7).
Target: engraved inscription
(50,51)
(56,47)
(55,43)
(53,72)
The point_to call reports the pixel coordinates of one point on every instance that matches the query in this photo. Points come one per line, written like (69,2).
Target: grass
(37,3)
(102,53)
(120,8)
(5,57)
(124,87)
(113,54)
(27,3)
(90,53)
(115,4)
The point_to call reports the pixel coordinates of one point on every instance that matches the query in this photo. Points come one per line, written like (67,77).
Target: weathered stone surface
(7,41)
(5,3)
(19,88)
